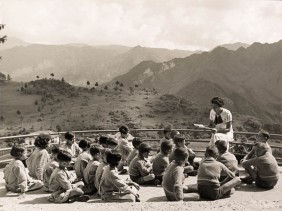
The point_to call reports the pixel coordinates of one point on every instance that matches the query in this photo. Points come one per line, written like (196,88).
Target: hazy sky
(181,24)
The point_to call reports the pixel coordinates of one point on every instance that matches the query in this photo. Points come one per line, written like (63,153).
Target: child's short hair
(69,136)
(124,129)
(84,144)
(265,134)
(18,150)
(166,146)
(167,130)
(94,150)
(174,133)
(211,151)
(179,138)
(64,156)
(221,145)
(261,147)
(136,142)
(105,151)
(42,141)
(107,141)
(180,154)
(144,147)
(113,159)
(55,149)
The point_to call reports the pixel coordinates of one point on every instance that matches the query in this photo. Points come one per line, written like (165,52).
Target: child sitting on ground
(50,166)
(209,173)
(107,142)
(61,180)
(100,168)
(227,158)
(167,135)
(136,143)
(140,168)
(173,177)
(39,157)
(161,161)
(71,146)
(82,159)
(265,174)
(179,141)
(16,178)
(124,139)
(90,170)
(112,187)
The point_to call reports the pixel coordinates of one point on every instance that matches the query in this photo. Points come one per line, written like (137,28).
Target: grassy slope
(74,108)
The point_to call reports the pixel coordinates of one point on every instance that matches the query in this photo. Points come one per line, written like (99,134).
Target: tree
(117,83)
(88,83)
(121,85)
(58,127)
(96,84)
(4,38)
(63,80)
(18,112)
(2,77)
(106,87)
(37,77)
(52,75)
(2,119)
(9,78)
(136,85)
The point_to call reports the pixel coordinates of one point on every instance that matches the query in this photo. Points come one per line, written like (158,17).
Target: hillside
(78,63)
(56,105)
(245,78)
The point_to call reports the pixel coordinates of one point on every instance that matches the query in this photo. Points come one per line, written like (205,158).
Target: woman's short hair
(180,154)
(42,141)
(124,129)
(17,150)
(69,136)
(64,156)
(113,159)
(55,149)
(179,138)
(217,100)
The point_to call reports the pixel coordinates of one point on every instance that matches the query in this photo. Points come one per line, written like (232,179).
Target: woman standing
(220,122)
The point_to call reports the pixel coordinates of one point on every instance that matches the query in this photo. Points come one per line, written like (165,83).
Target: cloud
(171,24)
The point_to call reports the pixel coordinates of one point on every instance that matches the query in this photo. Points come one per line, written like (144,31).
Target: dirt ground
(246,197)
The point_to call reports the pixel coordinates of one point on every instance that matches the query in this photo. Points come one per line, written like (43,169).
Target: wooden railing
(203,141)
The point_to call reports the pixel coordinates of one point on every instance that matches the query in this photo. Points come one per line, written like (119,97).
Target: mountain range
(77,62)
(249,79)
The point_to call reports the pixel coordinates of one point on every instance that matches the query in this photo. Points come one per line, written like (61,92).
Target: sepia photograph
(136,105)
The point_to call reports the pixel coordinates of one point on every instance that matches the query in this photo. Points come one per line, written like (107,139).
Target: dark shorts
(267,184)
(139,180)
(210,192)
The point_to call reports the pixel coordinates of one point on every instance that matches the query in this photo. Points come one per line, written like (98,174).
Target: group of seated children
(97,168)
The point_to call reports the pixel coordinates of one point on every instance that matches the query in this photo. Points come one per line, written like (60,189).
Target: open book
(202,126)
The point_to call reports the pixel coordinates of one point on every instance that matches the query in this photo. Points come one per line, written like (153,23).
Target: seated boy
(112,187)
(15,175)
(173,177)
(209,173)
(140,168)
(227,158)
(60,183)
(136,143)
(90,170)
(179,141)
(101,167)
(71,146)
(265,174)
(50,166)
(161,161)
(262,137)
(82,159)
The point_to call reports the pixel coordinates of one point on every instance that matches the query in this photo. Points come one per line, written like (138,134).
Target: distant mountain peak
(235,46)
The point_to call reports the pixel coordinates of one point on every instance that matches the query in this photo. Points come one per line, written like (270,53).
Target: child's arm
(21,178)
(144,171)
(64,181)
(178,186)
(42,160)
